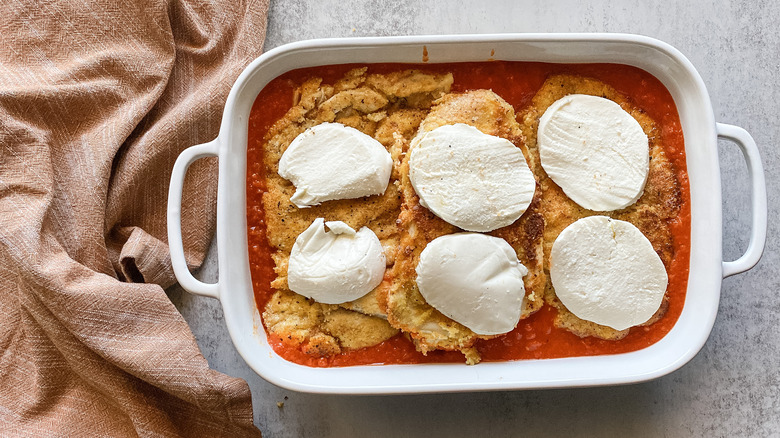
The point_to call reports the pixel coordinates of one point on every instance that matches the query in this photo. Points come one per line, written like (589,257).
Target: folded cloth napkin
(97,98)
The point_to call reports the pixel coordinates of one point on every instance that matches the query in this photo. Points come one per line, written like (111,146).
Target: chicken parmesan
(394,104)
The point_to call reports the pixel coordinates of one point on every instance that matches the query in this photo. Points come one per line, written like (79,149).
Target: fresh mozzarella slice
(475,181)
(606,271)
(473,279)
(595,151)
(332,161)
(335,266)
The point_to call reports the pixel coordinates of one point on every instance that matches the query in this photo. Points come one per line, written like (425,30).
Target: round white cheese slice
(473,279)
(335,266)
(606,271)
(332,161)
(475,181)
(595,151)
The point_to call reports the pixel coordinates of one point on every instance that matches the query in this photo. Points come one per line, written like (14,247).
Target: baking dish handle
(180,269)
(757,196)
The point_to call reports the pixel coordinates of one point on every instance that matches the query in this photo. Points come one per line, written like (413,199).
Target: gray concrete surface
(731,388)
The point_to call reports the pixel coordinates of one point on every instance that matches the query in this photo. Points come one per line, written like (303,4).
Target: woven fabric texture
(97,99)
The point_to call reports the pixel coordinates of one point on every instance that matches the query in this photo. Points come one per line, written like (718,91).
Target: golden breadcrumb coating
(387,107)
(322,329)
(407,310)
(659,204)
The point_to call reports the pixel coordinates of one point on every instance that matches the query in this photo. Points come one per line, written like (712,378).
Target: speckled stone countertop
(731,388)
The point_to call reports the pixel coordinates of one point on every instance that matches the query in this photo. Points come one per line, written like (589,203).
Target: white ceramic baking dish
(234,288)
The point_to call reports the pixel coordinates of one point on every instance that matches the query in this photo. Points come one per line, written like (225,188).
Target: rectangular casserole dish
(234,288)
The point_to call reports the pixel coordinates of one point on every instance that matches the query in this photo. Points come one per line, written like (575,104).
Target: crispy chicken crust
(388,107)
(659,204)
(322,329)
(407,309)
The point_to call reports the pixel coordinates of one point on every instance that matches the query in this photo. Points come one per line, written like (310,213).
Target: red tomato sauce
(517,82)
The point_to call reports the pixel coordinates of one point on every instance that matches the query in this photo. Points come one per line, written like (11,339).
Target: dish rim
(684,340)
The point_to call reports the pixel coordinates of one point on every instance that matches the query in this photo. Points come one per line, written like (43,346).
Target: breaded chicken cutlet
(387,107)
(659,203)
(407,309)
